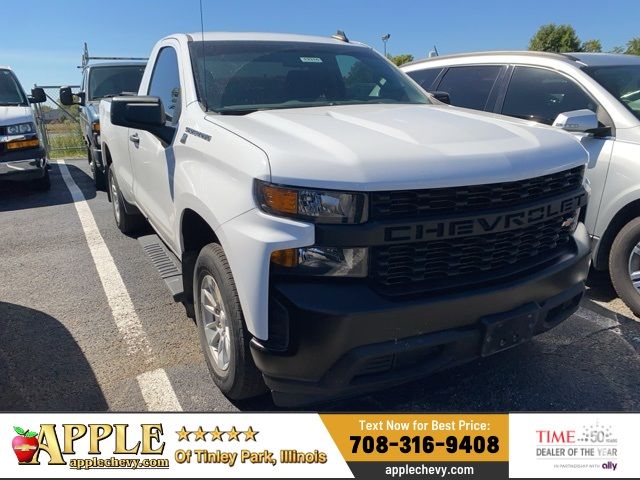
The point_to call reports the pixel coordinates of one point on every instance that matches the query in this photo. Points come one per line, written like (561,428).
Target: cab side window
(470,86)
(426,77)
(165,83)
(541,95)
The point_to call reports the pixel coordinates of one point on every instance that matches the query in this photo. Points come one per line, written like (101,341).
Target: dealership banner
(308,445)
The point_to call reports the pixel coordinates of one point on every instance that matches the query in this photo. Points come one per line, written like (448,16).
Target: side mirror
(38,95)
(584,121)
(142,113)
(441,96)
(66,96)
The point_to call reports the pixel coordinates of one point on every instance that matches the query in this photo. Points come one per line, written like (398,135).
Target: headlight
(319,206)
(321,261)
(21,128)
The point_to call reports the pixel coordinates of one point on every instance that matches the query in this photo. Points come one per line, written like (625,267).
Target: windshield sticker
(311,59)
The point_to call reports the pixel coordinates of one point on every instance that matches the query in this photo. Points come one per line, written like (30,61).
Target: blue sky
(46,47)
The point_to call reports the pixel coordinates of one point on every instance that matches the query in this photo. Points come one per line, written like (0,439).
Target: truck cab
(22,156)
(100,80)
(332,228)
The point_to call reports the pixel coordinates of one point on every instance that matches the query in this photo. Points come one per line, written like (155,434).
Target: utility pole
(385,38)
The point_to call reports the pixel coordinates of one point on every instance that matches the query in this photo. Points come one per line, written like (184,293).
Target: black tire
(99,177)
(241,379)
(127,222)
(619,264)
(42,184)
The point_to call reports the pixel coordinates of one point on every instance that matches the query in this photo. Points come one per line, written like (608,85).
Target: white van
(22,157)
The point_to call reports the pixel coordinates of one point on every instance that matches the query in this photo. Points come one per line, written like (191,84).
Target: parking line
(123,311)
(157,392)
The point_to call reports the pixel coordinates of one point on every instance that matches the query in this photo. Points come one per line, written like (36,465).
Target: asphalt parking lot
(62,349)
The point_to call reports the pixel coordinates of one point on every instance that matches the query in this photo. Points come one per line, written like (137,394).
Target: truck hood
(12,115)
(384,147)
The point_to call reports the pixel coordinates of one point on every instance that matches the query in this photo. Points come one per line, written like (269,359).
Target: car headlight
(21,129)
(321,261)
(318,206)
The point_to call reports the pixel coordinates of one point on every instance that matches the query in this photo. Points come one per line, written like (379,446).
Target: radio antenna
(204,73)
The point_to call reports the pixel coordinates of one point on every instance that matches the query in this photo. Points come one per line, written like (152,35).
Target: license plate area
(506,331)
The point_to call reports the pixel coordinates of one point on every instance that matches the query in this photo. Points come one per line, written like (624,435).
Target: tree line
(554,38)
(563,38)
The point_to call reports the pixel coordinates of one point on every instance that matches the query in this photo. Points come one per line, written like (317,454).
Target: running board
(167,264)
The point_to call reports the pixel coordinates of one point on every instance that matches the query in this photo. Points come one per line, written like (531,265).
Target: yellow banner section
(420,437)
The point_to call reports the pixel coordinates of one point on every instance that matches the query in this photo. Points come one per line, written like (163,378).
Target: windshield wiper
(237,111)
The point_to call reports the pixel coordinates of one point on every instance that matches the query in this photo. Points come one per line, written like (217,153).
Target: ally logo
(25,444)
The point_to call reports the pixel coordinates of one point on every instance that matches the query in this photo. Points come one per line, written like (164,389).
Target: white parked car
(540,86)
(333,230)
(22,157)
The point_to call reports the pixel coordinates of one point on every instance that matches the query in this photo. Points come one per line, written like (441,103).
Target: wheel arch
(195,233)
(627,213)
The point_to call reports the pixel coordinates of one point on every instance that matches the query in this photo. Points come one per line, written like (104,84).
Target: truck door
(541,94)
(153,161)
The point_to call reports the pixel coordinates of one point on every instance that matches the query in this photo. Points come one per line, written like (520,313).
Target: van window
(470,86)
(541,95)
(426,77)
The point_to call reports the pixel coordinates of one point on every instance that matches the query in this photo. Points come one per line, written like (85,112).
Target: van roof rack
(86,57)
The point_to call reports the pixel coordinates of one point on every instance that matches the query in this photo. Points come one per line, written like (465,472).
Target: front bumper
(23,165)
(345,339)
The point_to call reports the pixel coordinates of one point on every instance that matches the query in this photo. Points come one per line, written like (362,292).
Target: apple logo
(25,444)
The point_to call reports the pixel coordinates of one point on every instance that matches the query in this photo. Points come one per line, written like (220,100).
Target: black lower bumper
(23,165)
(345,339)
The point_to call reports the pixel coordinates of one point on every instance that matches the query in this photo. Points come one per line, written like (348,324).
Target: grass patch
(66,143)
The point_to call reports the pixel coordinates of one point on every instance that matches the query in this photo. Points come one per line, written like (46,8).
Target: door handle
(134,138)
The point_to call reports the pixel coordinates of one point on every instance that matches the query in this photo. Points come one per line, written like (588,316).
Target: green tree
(400,59)
(617,49)
(633,46)
(555,38)
(592,46)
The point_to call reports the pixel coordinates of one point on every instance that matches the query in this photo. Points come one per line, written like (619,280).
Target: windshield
(623,82)
(244,76)
(114,80)
(10,91)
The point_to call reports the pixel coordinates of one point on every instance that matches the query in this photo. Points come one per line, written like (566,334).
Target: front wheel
(126,222)
(624,265)
(221,327)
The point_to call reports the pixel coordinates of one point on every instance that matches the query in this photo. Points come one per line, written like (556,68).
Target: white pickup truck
(333,228)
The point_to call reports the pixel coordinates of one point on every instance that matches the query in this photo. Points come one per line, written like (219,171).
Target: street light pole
(385,38)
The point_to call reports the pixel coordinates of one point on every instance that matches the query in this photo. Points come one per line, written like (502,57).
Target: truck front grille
(457,263)
(474,198)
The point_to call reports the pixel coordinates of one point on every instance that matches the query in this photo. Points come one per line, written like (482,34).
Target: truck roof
(265,37)
(5,67)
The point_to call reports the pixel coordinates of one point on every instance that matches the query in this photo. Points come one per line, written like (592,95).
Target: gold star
(250,434)
(216,434)
(233,434)
(200,433)
(183,434)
